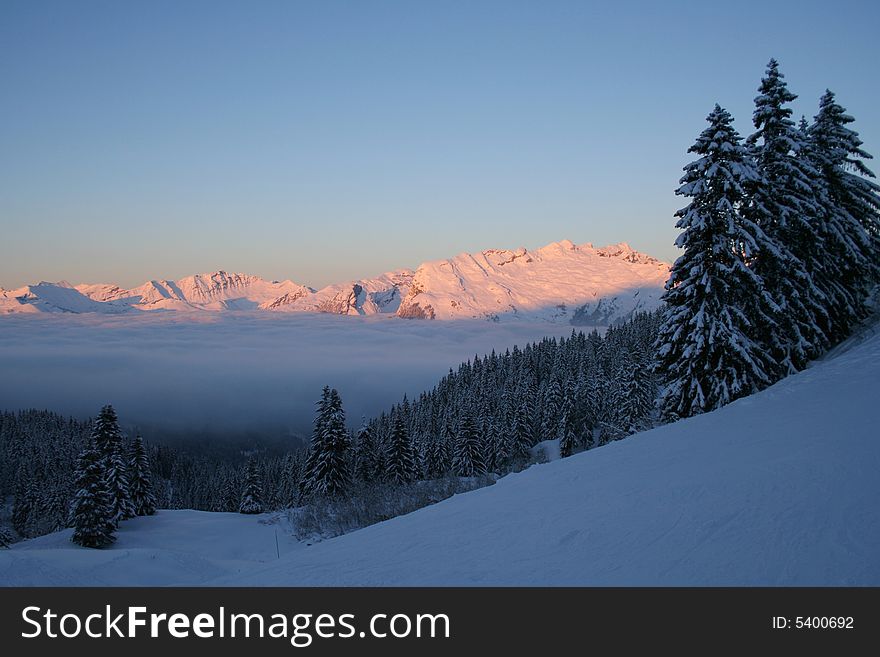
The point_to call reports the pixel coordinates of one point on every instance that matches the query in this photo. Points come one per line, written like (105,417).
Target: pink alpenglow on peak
(560,282)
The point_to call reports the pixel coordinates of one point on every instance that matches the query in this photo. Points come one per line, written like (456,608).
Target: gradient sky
(325,140)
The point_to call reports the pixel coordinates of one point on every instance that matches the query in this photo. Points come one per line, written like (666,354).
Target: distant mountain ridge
(561,282)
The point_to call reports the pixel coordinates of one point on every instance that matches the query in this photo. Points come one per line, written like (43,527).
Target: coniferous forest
(781,248)
(780,242)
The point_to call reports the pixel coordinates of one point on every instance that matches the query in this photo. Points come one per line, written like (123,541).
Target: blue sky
(321,141)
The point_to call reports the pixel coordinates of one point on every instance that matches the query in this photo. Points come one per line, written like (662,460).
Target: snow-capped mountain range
(563,282)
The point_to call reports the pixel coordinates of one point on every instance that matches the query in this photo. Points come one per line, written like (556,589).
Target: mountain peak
(562,246)
(557,282)
(560,281)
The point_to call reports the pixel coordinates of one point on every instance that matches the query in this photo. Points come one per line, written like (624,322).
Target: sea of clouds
(233,371)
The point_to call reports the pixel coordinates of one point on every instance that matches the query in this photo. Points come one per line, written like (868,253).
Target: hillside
(776,489)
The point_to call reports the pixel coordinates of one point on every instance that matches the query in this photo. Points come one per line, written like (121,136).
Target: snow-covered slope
(177,548)
(10,303)
(780,488)
(560,282)
(580,284)
(776,489)
(213,291)
(369,296)
(228,291)
(52,298)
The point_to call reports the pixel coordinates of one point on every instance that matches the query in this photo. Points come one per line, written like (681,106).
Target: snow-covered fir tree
(105,431)
(706,353)
(24,506)
(551,408)
(635,398)
(143,500)
(522,438)
(108,440)
(7,538)
(369,462)
(252,494)
(468,458)
(92,512)
(228,497)
(487,426)
(568,439)
(327,467)
(289,477)
(438,458)
(782,202)
(849,219)
(401,460)
(118,483)
(498,442)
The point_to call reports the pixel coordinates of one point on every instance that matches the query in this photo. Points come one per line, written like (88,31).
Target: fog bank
(233,371)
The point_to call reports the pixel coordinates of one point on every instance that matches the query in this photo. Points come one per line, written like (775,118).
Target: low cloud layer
(230,371)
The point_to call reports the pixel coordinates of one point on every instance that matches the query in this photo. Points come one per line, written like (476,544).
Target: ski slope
(777,489)
(172,548)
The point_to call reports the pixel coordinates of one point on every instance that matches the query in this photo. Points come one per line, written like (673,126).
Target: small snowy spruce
(92,511)
(468,458)
(327,467)
(251,496)
(140,485)
(401,464)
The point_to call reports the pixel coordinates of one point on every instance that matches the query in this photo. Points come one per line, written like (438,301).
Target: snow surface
(172,548)
(780,488)
(370,296)
(51,298)
(560,282)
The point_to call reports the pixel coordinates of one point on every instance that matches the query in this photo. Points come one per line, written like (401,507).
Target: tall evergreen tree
(327,470)
(782,202)
(92,511)
(118,484)
(567,438)
(401,463)
(705,351)
(850,214)
(552,406)
(368,460)
(438,460)
(468,459)
(487,432)
(108,440)
(634,404)
(522,439)
(252,495)
(105,431)
(140,485)
(291,475)
(500,446)
(230,491)
(24,506)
